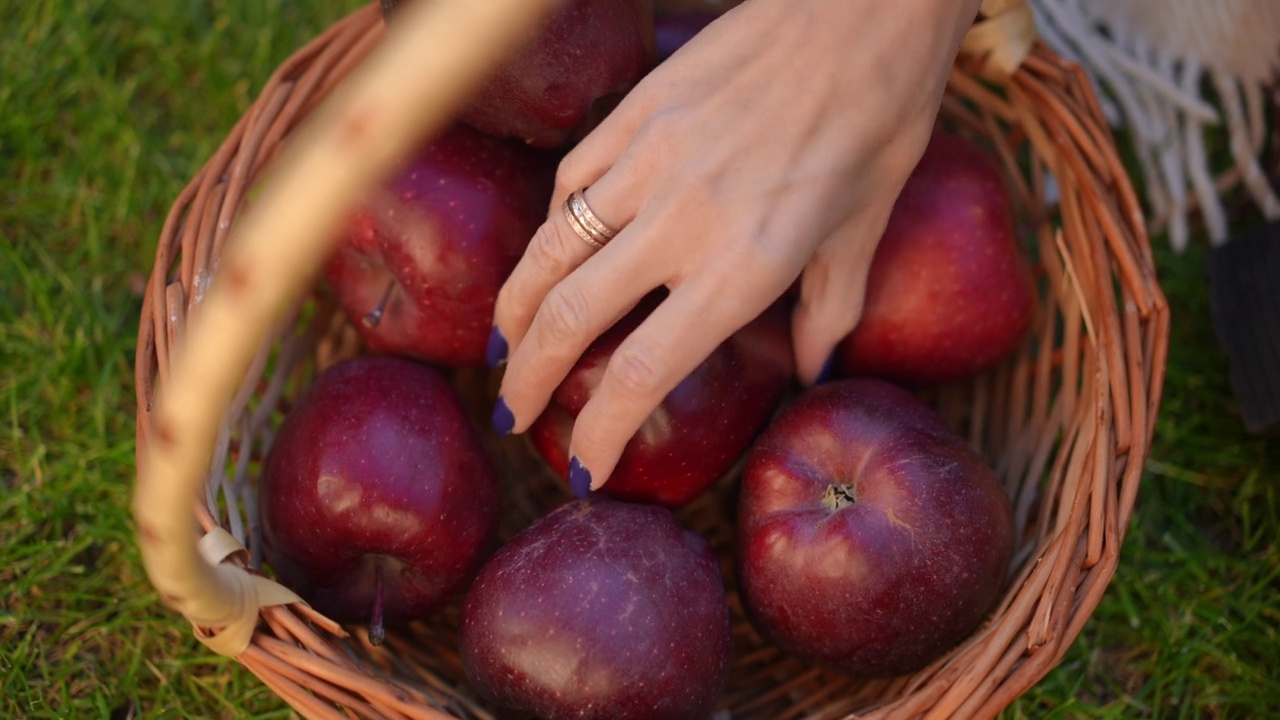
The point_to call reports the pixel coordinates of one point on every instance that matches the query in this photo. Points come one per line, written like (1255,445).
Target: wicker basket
(1067,423)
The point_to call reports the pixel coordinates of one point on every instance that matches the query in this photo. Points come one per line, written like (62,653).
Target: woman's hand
(774,143)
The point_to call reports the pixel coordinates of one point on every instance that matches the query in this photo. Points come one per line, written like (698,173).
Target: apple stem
(375,315)
(838,496)
(377,633)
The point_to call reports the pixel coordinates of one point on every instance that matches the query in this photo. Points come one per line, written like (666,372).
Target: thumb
(833,289)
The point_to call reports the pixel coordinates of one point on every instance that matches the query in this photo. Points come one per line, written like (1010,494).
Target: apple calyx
(377,631)
(374,316)
(838,496)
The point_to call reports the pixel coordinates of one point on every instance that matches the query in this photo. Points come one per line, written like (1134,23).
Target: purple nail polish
(828,368)
(503,421)
(496,350)
(579,478)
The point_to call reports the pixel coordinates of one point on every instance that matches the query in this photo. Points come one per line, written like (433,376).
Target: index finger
(667,346)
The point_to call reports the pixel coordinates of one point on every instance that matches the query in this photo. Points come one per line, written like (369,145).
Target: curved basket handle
(407,90)
(1003,36)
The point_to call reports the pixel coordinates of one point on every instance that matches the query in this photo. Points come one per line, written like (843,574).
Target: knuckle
(653,147)
(591,436)
(551,251)
(634,372)
(566,315)
(659,126)
(568,173)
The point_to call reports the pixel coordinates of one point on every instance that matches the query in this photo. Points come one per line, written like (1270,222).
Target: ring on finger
(584,222)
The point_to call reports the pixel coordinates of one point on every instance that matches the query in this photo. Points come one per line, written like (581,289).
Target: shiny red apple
(719,7)
(419,270)
(673,30)
(587,53)
(600,610)
(377,500)
(949,291)
(871,537)
(703,426)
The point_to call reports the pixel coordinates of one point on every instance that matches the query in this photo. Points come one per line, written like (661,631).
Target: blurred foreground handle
(407,90)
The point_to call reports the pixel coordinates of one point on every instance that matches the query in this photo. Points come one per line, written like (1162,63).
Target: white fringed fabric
(1169,72)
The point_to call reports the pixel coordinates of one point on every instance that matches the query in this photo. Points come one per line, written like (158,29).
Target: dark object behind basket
(1244,295)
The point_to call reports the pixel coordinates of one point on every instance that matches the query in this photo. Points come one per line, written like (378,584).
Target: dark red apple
(587,52)
(419,270)
(668,7)
(600,609)
(871,537)
(949,291)
(376,496)
(673,30)
(699,431)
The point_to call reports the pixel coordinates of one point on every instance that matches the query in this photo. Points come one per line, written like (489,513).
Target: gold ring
(585,223)
(583,211)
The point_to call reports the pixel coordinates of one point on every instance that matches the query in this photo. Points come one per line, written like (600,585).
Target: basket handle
(406,91)
(1003,37)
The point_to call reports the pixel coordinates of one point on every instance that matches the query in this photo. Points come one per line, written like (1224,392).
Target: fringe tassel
(1169,72)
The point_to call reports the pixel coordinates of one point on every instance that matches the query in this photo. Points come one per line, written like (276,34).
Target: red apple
(699,431)
(673,30)
(587,52)
(376,496)
(949,292)
(600,609)
(719,7)
(419,270)
(871,537)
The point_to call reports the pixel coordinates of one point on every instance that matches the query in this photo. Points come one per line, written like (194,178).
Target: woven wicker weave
(1067,422)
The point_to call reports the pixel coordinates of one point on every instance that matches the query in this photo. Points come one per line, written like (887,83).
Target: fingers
(570,315)
(550,307)
(678,335)
(596,153)
(833,290)
(555,249)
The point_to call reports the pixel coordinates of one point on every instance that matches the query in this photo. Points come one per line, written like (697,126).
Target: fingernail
(828,368)
(502,418)
(579,478)
(496,351)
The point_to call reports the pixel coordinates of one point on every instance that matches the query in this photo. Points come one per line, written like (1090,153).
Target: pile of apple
(870,537)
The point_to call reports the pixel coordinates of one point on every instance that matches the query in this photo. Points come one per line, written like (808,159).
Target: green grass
(109,107)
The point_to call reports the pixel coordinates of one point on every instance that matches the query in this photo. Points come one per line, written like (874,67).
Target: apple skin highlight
(871,537)
(377,493)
